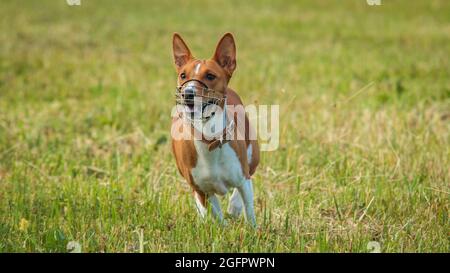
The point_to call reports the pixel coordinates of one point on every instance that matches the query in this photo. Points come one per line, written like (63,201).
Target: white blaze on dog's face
(195,75)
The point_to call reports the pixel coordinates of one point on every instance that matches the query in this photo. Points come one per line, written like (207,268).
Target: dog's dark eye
(210,76)
(183,76)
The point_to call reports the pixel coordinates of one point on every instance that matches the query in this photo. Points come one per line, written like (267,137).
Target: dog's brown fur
(222,64)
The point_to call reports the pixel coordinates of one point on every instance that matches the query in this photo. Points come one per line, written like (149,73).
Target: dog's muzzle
(197,101)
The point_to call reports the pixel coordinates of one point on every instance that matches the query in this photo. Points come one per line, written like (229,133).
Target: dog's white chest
(216,170)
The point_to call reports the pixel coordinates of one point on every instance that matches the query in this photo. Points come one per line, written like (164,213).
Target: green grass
(85,100)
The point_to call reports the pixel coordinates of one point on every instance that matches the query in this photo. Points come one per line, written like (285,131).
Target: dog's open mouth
(189,106)
(198,107)
(193,107)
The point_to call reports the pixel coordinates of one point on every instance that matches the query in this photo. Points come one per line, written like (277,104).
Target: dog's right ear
(181,52)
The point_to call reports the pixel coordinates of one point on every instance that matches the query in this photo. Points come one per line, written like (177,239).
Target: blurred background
(85,99)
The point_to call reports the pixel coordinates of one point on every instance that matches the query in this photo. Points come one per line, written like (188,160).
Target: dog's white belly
(218,170)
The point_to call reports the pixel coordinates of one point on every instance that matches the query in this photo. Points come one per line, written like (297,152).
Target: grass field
(364,94)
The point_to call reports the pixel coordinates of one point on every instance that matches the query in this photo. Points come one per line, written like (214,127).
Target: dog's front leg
(215,207)
(200,202)
(246,191)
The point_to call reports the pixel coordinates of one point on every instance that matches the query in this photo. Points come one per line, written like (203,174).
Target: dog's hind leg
(246,191)
(236,204)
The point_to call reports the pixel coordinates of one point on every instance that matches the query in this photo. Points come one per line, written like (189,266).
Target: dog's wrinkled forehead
(198,69)
(206,71)
(192,70)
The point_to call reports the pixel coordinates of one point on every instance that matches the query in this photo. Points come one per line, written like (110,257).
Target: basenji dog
(214,147)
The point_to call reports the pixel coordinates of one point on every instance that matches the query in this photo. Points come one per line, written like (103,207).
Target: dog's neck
(214,131)
(212,128)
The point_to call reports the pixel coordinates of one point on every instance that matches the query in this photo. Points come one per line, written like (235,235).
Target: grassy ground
(85,99)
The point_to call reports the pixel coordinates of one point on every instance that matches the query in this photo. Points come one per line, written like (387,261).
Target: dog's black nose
(188,94)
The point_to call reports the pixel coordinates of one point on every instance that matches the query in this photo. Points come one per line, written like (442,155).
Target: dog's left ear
(225,54)
(181,52)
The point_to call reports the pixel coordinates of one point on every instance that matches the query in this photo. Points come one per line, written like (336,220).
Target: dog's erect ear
(181,52)
(225,54)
